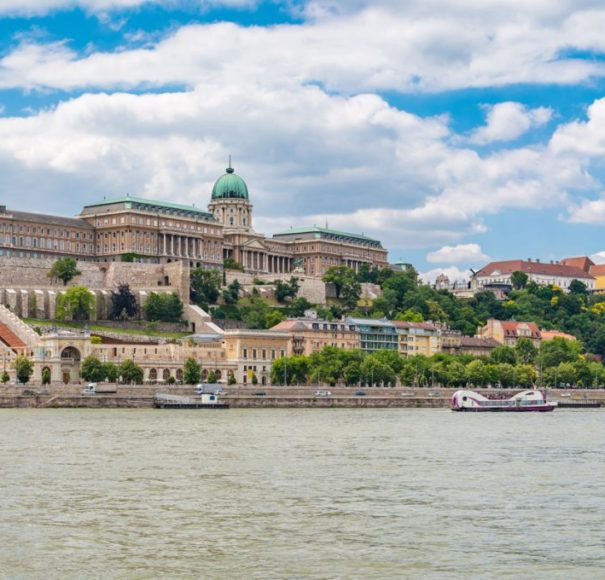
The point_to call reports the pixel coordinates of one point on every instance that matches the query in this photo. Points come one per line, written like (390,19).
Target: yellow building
(418,338)
(252,352)
(308,336)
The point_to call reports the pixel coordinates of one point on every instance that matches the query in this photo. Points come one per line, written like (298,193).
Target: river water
(301,493)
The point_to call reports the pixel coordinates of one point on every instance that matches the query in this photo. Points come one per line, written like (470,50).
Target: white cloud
(586,138)
(588,211)
(508,121)
(598,257)
(457,254)
(39,7)
(460,277)
(397,46)
(307,156)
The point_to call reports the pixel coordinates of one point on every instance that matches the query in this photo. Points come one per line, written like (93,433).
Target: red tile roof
(582,262)
(597,269)
(511,328)
(531,267)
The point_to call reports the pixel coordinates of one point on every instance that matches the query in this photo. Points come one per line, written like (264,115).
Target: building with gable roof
(560,273)
(508,332)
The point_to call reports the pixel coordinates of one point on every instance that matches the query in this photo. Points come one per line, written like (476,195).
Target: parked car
(321,393)
(360,393)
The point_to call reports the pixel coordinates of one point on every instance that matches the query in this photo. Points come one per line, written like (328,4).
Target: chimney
(538,260)
(2,209)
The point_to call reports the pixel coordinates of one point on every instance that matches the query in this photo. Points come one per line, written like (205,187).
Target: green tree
(525,351)
(558,350)
(205,286)
(375,371)
(212,377)
(503,354)
(64,269)
(292,370)
(410,316)
(112,372)
(346,285)
(519,280)
(163,307)
(577,287)
(525,375)
(77,303)
(476,373)
(131,372)
(92,370)
(5,377)
(273,318)
(24,368)
(231,380)
(298,306)
(231,293)
(46,376)
(123,303)
(231,264)
(284,290)
(191,371)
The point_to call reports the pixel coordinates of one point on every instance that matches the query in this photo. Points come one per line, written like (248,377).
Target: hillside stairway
(10,339)
(14,332)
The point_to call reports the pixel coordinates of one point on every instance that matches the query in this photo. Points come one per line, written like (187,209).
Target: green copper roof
(230,186)
(328,234)
(141,203)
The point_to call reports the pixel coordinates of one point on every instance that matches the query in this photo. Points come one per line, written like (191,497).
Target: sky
(455,131)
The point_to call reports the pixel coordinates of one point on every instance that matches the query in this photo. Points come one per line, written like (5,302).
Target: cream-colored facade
(63,352)
(253,352)
(308,336)
(507,332)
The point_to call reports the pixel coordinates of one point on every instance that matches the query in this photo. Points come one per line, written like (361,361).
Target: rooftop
(325,233)
(143,204)
(46,219)
(533,267)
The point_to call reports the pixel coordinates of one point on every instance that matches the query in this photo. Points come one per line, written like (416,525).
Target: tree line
(556,363)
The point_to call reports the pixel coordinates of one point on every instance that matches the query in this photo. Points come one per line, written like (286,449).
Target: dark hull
(527,409)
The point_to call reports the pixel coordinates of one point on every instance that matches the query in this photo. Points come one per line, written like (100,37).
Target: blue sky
(454,131)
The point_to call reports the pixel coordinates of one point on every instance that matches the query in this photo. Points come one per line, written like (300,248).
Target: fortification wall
(313,289)
(26,289)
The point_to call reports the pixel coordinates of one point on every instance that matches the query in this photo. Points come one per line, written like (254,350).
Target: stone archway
(166,375)
(153,375)
(204,375)
(70,364)
(218,375)
(179,375)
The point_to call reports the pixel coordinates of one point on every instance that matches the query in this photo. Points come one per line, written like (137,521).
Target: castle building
(143,230)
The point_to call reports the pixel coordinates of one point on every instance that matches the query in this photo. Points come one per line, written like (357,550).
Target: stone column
(171,245)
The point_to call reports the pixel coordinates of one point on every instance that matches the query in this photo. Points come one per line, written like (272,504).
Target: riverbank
(141,397)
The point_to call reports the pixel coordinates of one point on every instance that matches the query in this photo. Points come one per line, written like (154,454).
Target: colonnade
(263,262)
(183,246)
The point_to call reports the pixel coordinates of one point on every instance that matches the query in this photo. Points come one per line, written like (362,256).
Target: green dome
(230,186)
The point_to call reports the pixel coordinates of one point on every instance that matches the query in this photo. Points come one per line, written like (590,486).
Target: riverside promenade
(141,396)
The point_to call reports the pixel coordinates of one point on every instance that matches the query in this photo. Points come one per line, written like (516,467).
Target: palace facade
(137,229)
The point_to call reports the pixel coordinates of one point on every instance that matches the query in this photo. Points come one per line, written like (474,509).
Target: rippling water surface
(309,493)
